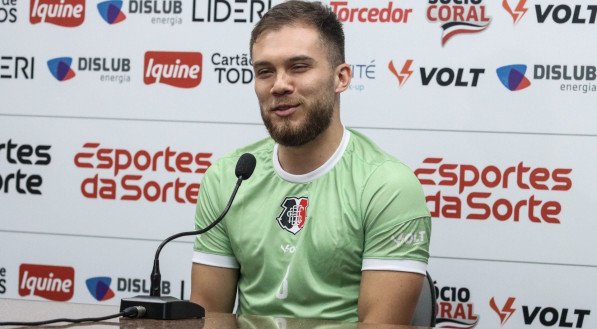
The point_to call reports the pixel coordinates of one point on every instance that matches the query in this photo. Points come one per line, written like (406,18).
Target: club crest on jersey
(294,214)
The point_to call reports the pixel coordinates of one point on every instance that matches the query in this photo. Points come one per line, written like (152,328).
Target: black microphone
(170,308)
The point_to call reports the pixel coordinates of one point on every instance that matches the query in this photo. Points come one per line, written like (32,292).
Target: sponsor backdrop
(113,110)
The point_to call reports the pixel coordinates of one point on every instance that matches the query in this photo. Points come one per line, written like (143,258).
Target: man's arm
(389,297)
(214,288)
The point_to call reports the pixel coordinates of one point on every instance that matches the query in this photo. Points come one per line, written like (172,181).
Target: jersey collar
(315,174)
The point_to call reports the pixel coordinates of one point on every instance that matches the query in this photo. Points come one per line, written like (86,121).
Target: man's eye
(300,67)
(263,72)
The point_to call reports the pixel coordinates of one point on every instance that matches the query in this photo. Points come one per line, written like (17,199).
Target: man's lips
(285,109)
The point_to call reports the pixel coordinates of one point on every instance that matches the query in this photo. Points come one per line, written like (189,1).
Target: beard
(287,132)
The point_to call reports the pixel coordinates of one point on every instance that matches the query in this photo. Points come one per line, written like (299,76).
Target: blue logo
(60,68)
(99,288)
(111,11)
(512,77)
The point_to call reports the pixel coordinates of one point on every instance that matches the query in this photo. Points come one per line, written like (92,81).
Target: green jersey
(301,241)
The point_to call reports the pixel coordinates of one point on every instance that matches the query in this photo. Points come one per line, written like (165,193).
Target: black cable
(129,312)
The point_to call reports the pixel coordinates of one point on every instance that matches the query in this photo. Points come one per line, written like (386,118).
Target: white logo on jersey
(288,248)
(410,238)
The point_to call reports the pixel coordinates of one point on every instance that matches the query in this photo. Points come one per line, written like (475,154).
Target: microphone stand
(167,307)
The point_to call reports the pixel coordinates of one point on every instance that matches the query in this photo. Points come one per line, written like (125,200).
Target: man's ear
(343,76)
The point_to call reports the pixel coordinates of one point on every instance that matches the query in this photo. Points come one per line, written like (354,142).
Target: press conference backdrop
(111,111)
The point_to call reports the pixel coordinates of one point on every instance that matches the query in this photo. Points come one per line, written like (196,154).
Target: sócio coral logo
(60,68)
(111,11)
(99,288)
(512,76)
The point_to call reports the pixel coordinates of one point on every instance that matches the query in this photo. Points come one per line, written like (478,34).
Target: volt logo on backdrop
(67,13)
(547,316)
(174,68)
(99,288)
(438,76)
(404,73)
(566,13)
(458,17)
(516,9)
(504,312)
(51,282)
(478,189)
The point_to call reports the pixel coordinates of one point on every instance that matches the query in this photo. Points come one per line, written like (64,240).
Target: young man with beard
(329,226)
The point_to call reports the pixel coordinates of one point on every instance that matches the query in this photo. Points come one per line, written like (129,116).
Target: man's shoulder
(367,151)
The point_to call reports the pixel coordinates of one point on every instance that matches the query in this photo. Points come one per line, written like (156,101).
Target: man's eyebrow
(300,58)
(293,59)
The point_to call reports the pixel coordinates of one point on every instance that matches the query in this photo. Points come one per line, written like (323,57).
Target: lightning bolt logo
(518,12)
(404,74)
(506,311)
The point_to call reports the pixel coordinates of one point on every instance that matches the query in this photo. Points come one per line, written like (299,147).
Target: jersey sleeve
(397,221)
(213,247)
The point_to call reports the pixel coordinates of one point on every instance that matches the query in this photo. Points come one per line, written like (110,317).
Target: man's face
(294,83)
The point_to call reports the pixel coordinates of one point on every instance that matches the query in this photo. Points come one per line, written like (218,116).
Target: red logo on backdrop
(458,18)
(386,14)
(55,283)
(506,311)
(68,13)
(178,69)
(127,175)
(404,73)
(479,187)
(517,10)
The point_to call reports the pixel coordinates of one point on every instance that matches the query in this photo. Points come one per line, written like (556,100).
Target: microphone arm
(156,276)
(170,308)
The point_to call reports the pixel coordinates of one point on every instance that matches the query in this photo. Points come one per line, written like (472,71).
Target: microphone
(170,308)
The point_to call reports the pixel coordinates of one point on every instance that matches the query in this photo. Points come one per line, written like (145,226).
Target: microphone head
(245,166)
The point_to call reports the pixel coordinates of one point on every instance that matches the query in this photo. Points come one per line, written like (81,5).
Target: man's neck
(300,160)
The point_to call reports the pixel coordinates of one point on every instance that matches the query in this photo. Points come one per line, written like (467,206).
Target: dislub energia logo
(111,11)
(99,288)
(55,283)
(67,13)
(178,69)
(512,77)
(60,68)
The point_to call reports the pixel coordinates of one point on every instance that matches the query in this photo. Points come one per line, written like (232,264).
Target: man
(329,226)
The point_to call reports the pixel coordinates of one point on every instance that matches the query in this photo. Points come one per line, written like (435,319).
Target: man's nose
(282,84)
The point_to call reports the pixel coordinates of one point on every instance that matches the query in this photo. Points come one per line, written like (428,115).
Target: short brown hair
(310,13)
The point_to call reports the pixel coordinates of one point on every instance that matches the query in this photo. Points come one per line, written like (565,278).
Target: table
(30,310)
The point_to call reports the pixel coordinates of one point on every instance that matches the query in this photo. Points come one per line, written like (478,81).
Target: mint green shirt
(301,241)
